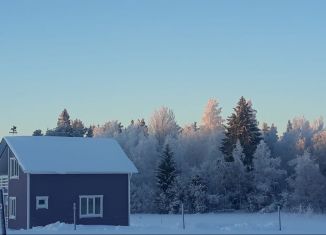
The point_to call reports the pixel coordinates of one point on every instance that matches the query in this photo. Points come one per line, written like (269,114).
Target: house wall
(4,161)
(18,188)
(64,190)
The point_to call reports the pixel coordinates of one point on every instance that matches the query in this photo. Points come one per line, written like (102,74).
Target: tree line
(218,165)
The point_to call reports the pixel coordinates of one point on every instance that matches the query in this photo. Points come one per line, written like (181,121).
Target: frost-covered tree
(318,125)
(212,119)
(163,124)
(110,129)
(309,184)
(178,190)
(197,197)
(243,126)
(267,177)
(319,150)
(235,178)
(166,175)
(297,139)
(270,136)
(145,156)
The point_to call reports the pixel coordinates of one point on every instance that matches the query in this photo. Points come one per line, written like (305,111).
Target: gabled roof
(69,155)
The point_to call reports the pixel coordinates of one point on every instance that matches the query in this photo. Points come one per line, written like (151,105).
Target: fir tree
(64,127)
(243,126)
(289,126)
(78,128)
(38,132)
(166,176)
(64,119)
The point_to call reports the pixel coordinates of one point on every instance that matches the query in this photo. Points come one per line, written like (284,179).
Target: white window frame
(46,204)
(15,173)
(12,207)
(91,215)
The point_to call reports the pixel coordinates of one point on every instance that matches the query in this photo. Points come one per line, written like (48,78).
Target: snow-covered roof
(69,155)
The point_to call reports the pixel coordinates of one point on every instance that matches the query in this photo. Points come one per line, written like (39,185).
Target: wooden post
(183,217)
(3,220)
(279,217)
(74,207)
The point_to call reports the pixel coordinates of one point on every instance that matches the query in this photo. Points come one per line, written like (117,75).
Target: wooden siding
(64,190)
(18,189)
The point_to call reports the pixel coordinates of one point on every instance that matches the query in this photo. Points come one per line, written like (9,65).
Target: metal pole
(74,216)
(3,220)
(183,217)
(279,218)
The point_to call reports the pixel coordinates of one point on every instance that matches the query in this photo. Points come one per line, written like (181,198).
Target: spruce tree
(64,127)
(166,175)
(78,128)
(64,119)
(243,126)
(89,132)
(289,127)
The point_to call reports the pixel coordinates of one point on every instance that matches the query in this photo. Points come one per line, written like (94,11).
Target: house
(44,177)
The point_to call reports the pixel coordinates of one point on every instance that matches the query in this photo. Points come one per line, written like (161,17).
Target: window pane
(41,202)
(12,207)
(98,205)
(90,205)
(83,206)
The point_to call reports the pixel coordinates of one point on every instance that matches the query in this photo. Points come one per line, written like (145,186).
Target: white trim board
(28,202)
(92,215)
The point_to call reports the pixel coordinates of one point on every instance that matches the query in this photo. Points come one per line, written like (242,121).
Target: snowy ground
(224,223)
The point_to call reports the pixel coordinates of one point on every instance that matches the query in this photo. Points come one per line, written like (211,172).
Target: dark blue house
(43,177)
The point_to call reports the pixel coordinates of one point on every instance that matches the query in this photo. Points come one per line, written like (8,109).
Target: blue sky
(106,60)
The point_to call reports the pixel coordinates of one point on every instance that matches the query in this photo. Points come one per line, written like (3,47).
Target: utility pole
(183,217)
(279,217)
(74,208)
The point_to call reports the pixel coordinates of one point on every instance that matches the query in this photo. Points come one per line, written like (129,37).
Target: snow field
(223,223)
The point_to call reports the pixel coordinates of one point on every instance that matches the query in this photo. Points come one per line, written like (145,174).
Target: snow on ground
(224,223)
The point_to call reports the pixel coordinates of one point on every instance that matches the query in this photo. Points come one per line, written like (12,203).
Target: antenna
(13,130)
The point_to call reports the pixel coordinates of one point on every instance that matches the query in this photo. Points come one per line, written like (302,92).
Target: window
(12,207)
(91,206)
(42,202)
(14,168)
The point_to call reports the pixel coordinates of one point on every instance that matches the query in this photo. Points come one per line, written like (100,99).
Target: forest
(232,164)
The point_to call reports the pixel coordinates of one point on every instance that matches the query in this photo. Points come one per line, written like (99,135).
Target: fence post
(279,217)
(183,217)
(2,208)
(74,207)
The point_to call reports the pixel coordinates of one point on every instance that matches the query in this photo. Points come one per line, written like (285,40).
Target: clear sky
(106,60)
